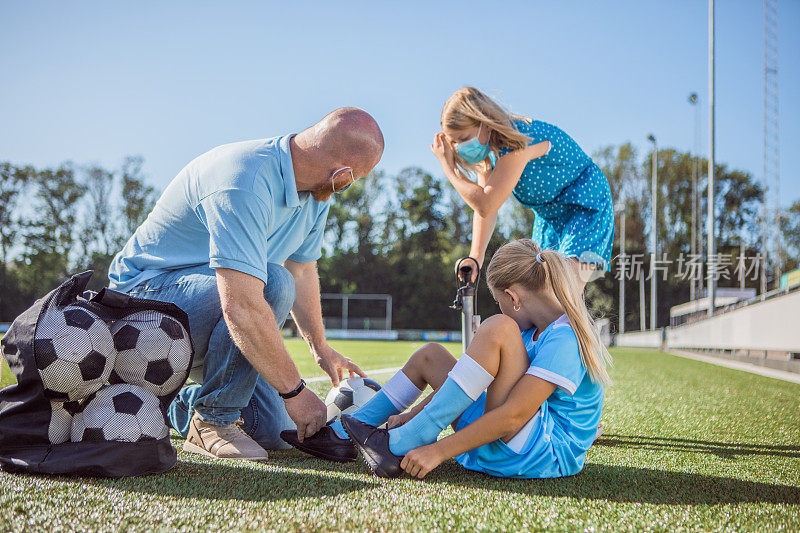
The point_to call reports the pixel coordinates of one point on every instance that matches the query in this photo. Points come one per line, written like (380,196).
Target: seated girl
(524,400)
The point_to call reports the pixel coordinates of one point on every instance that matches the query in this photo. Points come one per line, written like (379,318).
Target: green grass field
(687,445)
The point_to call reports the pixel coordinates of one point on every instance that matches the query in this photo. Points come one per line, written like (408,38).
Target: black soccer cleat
(325,444)
(373,443)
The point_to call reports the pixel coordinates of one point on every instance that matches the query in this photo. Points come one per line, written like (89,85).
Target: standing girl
(524,400)
(542,166)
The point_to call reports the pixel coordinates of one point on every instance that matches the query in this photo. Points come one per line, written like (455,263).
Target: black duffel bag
(95,375)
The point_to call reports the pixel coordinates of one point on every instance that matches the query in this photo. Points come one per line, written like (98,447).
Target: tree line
(58,221)
(397,234)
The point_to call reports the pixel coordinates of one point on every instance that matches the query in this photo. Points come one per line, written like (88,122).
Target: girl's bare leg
(429,366)
(498,348)
(495,359)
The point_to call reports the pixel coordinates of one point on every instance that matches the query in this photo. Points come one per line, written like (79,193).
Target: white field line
(736,365)
(319,379)
(740,365)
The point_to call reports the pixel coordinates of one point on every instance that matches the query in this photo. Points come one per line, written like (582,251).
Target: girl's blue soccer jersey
(569,194)
(565,425)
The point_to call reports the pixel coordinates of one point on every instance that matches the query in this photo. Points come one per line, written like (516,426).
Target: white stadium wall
(773,324)
(641,339)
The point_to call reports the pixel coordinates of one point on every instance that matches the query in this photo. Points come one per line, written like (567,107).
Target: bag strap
(111,298)
(70,289)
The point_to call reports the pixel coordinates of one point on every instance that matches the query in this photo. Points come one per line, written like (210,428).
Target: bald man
(234,241)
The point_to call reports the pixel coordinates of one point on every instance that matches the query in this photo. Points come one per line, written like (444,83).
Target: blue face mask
(472,151)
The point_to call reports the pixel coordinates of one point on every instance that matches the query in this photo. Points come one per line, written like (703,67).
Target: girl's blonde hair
(516,262)
(470,108)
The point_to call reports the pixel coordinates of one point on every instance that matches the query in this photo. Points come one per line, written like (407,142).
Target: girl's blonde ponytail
(562,276)
(523,262)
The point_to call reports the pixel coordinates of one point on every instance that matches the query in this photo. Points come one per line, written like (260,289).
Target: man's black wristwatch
(292,393)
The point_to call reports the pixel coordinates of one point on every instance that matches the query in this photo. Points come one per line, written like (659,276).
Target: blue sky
(95,81)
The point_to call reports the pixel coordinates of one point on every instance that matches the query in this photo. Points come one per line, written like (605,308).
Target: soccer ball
(61,421)
(153,352)
(120,412)
(74,352)
(351,394)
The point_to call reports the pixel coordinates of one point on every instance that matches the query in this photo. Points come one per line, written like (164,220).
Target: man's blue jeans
(230,387)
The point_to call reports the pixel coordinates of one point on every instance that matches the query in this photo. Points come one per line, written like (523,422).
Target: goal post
(357,311)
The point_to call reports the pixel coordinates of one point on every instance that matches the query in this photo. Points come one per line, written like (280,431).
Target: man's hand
(419,461)
(308,412)
(335,364)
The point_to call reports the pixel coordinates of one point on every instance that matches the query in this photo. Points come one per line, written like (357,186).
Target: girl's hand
(419,461)
(399,420)
(443,150)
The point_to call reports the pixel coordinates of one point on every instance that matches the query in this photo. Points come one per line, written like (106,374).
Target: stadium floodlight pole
(653,240)
(741,262)
(693,100)
(620,210)
(763,264)
(641,302)
(712,282)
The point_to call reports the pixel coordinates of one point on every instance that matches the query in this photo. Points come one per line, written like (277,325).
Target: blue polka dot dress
(569,194)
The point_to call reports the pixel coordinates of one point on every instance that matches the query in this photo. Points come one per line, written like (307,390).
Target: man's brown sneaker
(222,442)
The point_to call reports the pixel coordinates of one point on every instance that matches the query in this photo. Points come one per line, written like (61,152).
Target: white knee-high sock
(464,384)
(396,396)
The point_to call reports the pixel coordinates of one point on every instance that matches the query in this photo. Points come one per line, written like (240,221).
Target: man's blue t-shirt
(236,207)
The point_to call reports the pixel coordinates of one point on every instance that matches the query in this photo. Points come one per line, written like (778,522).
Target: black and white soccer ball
(122,413)
(351,394)
(61,415)
(74,352)
(153,352)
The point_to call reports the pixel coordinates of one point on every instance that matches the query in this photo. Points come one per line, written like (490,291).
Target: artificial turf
(687,445)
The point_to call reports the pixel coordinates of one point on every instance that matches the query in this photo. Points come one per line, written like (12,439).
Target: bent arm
(482,229)
(487,199)
(307,313)
(504,422)
(307,309)
(253,327)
